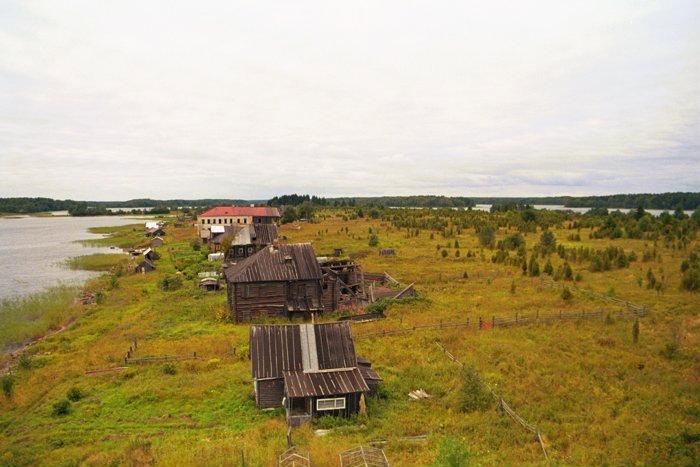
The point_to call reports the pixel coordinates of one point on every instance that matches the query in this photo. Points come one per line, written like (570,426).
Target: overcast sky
(112,100)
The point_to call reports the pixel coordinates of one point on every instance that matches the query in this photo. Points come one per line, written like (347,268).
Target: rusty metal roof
(279,348)
(324,383)
(291,262)
(274,349)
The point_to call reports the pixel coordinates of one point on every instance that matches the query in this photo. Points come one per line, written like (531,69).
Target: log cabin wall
(250,301)
(269,393)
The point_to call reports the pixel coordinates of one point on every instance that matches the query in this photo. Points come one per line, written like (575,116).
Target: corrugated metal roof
(324,383)
(276,348)
(285,263)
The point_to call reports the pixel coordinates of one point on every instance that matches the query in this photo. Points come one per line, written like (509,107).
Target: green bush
(25,361)
(473,395)
(373,240)
(169,369)
(453,453)
(74,394)
(169,283)
(61,408)
(8,385)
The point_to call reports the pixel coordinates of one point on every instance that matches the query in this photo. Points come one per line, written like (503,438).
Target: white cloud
(250,99)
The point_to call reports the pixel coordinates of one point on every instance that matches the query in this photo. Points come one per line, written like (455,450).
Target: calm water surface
(33,251)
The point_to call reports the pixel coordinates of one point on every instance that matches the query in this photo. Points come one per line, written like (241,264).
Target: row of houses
(307,369)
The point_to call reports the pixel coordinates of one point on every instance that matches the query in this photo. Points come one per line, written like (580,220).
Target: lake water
(33,250)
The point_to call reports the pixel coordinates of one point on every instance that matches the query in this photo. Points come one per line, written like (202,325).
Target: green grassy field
(596,395)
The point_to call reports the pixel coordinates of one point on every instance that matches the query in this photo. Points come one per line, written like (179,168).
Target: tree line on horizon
(666,201)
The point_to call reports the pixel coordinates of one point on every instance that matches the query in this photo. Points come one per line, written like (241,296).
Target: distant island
(668,201)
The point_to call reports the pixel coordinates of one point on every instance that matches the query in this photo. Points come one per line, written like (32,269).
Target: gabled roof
(279,348)
(256,211)
(284,263)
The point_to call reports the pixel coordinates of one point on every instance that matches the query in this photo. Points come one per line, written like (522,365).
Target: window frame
(335,403)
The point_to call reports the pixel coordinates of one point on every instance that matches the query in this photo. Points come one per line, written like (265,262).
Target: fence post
(481,323)
(493,321)
(516,318)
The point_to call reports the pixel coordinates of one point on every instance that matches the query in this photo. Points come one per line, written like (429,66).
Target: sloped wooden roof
(265,234)
(291,262)
(324,383)
(277,348)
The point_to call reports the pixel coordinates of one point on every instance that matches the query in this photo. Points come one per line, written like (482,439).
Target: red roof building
(235,211)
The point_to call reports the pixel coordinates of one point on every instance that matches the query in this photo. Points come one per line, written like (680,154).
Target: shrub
(444,253)
(8,385)
(373,240)
(74,394)
(456,253)
(452,453)
(112,282)
(512,287)
(25,361)
(548,243)
(670,350)
(548,268)
(487,235)
(61,408)
(566,294)
(635,331)
(171,282)
(473,395)
(169,369)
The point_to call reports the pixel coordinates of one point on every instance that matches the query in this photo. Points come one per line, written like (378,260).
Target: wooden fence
(504,407)
(639,310)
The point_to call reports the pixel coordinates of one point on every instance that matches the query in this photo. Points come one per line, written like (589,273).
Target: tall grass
(96,262)
(28,317)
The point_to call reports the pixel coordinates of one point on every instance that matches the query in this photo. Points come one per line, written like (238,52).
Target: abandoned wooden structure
(244,239)
(309,369)
(145,266)
(387,252)
(278,280)
(343,283)
(209,284)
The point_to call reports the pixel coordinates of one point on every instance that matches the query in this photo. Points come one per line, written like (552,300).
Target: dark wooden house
(145,266)
(245,239)
(278,280)
(309,369)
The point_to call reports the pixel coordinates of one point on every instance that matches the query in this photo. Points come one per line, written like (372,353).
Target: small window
(208,221)
(245,221)
(238,221)
(246,291)
(337,403)
(202,221)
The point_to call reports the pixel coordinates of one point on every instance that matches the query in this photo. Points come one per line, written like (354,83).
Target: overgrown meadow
(599,391)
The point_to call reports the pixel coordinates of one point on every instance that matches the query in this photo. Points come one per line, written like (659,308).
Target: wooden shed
(309,369)
(279,280)
(145,266)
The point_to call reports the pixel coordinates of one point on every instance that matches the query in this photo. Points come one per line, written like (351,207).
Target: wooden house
(278,280)
(245,239)
(145,266)
(309,369)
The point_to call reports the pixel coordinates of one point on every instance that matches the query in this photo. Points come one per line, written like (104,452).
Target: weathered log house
(278,280)
(309,369)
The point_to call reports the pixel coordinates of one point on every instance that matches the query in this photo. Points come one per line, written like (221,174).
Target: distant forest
(669,201)
(32,205)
